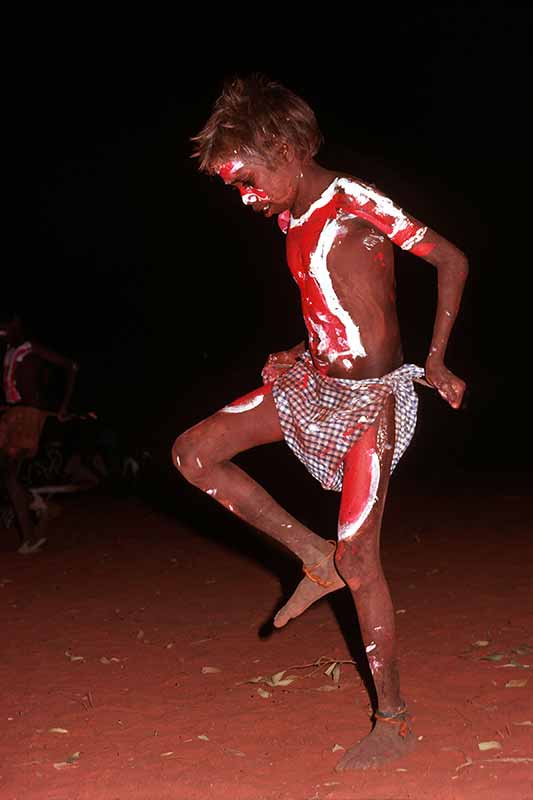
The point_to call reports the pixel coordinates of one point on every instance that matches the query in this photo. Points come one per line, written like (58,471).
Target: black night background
(170,294)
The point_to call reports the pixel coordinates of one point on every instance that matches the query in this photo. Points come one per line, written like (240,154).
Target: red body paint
(422,249)
(301,243)
(13,357)
(359,485)
(322,324)
(284,220)
(228,170)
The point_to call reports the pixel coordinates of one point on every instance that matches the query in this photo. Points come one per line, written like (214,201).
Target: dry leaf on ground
(489,746)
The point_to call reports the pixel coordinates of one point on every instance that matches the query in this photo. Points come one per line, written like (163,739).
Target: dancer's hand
(278,363)
(449,386)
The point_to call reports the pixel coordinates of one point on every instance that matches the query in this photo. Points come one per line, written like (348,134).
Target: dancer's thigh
(247,422)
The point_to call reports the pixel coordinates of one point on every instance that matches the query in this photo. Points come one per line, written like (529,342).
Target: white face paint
(246,405)
(370,647)
(178,461)
(349,529)
(231,167)
(199,463)
(318,269)
(249,198)
(211,492)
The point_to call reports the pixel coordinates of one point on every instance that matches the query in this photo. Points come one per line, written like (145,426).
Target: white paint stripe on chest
(349,529)
(323,200)
(318,269)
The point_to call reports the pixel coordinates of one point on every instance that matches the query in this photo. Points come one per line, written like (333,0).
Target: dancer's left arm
(452,270)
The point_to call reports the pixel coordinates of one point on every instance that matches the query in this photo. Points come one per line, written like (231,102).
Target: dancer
(345,402)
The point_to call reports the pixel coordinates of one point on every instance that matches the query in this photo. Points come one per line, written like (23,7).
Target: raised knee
(186,459)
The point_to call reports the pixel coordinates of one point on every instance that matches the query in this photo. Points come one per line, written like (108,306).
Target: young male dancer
(345,403)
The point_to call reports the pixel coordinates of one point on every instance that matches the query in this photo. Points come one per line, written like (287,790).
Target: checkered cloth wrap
(323,417)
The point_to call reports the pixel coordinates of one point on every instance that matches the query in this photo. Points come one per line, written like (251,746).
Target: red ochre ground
(106,637)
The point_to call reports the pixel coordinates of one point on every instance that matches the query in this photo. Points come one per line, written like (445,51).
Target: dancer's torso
(349,302)
(22,374)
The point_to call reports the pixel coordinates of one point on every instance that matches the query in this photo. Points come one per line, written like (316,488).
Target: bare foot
(385,743)
(324,579)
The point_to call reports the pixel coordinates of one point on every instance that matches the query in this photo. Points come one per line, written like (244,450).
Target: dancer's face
(267,189)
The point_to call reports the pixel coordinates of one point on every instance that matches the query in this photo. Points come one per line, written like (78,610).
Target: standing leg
(20,501)
(202,454)
(366,479)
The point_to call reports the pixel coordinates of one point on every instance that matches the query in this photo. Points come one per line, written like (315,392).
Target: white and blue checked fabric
(322,417)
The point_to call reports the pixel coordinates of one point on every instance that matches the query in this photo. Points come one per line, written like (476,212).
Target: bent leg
(366,479)
(203,455)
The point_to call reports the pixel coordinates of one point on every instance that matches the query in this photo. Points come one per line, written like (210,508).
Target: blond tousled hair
(254,117)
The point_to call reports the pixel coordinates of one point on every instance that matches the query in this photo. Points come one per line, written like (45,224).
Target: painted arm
(408,233)
(452,269)
(65,363)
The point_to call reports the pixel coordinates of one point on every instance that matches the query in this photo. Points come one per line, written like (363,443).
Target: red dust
(129,643)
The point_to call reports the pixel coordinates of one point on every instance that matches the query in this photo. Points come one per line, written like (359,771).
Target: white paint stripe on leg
(247,405)
(349,529)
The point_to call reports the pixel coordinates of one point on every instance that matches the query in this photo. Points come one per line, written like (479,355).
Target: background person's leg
(20,499)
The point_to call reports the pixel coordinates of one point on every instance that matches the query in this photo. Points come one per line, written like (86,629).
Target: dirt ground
(138,663)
